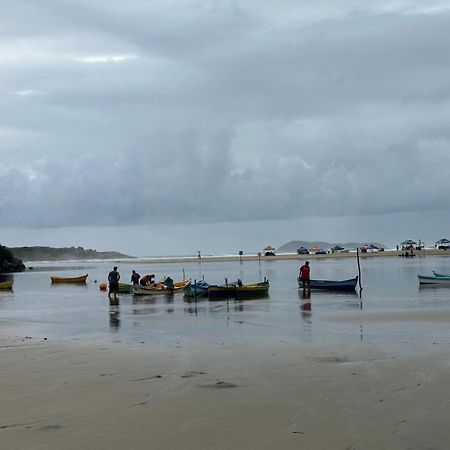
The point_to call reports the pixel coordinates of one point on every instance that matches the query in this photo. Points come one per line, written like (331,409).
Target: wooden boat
(443,281)
(235,290)
(332,285)
(151,290)
(441,275)
(80,279)
(125,288)
(6,285)
(196,289)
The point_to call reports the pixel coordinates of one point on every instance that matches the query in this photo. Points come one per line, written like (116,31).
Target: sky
(165,127)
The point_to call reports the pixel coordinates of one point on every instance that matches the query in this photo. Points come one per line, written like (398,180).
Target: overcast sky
(220,121)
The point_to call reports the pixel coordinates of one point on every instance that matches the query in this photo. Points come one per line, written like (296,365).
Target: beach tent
(443,244)
(408,244)
(269,251)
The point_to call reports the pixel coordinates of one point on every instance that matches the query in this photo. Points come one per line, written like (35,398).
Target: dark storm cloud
(165,112)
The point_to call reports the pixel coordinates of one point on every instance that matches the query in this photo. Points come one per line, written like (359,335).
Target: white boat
(443,281)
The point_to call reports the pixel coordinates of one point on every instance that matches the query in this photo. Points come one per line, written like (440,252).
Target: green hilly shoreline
(60,254)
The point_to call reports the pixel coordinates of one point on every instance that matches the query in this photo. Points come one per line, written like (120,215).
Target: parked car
(303,251)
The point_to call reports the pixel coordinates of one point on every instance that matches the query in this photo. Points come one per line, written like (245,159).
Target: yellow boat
(80,279)
(151,290)
(6,284)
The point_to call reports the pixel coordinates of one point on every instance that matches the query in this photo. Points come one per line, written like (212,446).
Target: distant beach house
(442,244)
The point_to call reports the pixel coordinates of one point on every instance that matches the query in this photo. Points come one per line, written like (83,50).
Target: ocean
(392,308)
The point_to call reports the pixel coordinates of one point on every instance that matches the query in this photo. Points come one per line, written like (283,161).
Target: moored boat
(80,279)
(158,290)
(434,280)
(196,289)
(237,290)
(333,285)
(441,275)
(125,288)
(6,285)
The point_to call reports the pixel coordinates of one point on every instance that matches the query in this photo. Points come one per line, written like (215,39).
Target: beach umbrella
(408,242)
(269,248)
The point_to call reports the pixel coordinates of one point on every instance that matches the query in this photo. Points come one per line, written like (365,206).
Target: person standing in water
(113,279)
(135,277)
(304,274)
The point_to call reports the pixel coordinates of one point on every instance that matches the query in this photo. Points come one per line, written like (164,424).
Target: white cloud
(222,111)
(105,58)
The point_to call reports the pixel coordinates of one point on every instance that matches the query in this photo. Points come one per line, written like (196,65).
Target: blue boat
(332,285)
(196,289)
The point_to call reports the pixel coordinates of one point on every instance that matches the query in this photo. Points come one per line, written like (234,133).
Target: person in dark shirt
(168,283)
(135,277)
(113,278)
(304,274)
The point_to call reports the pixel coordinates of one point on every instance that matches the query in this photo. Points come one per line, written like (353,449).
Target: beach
(326,371)
(288,256)
(81,395)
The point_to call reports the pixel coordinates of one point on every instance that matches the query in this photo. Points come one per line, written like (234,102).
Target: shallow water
(390,284)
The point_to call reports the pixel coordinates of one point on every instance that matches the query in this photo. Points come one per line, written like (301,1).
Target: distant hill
(292,246)
(62,254)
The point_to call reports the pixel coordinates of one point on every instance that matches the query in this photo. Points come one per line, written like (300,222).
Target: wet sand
(76,394)
(284,256)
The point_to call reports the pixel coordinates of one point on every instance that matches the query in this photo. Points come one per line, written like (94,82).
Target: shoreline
(285,256)
(237,258)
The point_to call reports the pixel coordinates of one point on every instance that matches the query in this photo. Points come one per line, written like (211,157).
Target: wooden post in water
(359,272)
(184,276)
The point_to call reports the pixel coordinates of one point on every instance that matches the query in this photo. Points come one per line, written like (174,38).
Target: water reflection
(305,303)
(114,319)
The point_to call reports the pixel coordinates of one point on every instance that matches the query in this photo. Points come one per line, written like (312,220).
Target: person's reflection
(114,320)
(169,301)
(305,306)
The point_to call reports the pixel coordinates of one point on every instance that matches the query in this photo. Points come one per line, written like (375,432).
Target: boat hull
(441,275)
(80,279)
(436,280)
(125,288)
(150,290)
(332,285)
(196,289)
(6,285)
(235,291)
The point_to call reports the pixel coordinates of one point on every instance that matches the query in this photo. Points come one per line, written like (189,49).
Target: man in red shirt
(304,274)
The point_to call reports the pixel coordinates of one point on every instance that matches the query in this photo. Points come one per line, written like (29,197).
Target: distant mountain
(62,254)
(292,246)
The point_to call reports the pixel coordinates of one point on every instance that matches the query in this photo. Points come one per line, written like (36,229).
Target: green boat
(441,275)
(125,288)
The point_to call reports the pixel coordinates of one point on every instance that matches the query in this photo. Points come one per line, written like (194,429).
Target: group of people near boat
(136,280)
